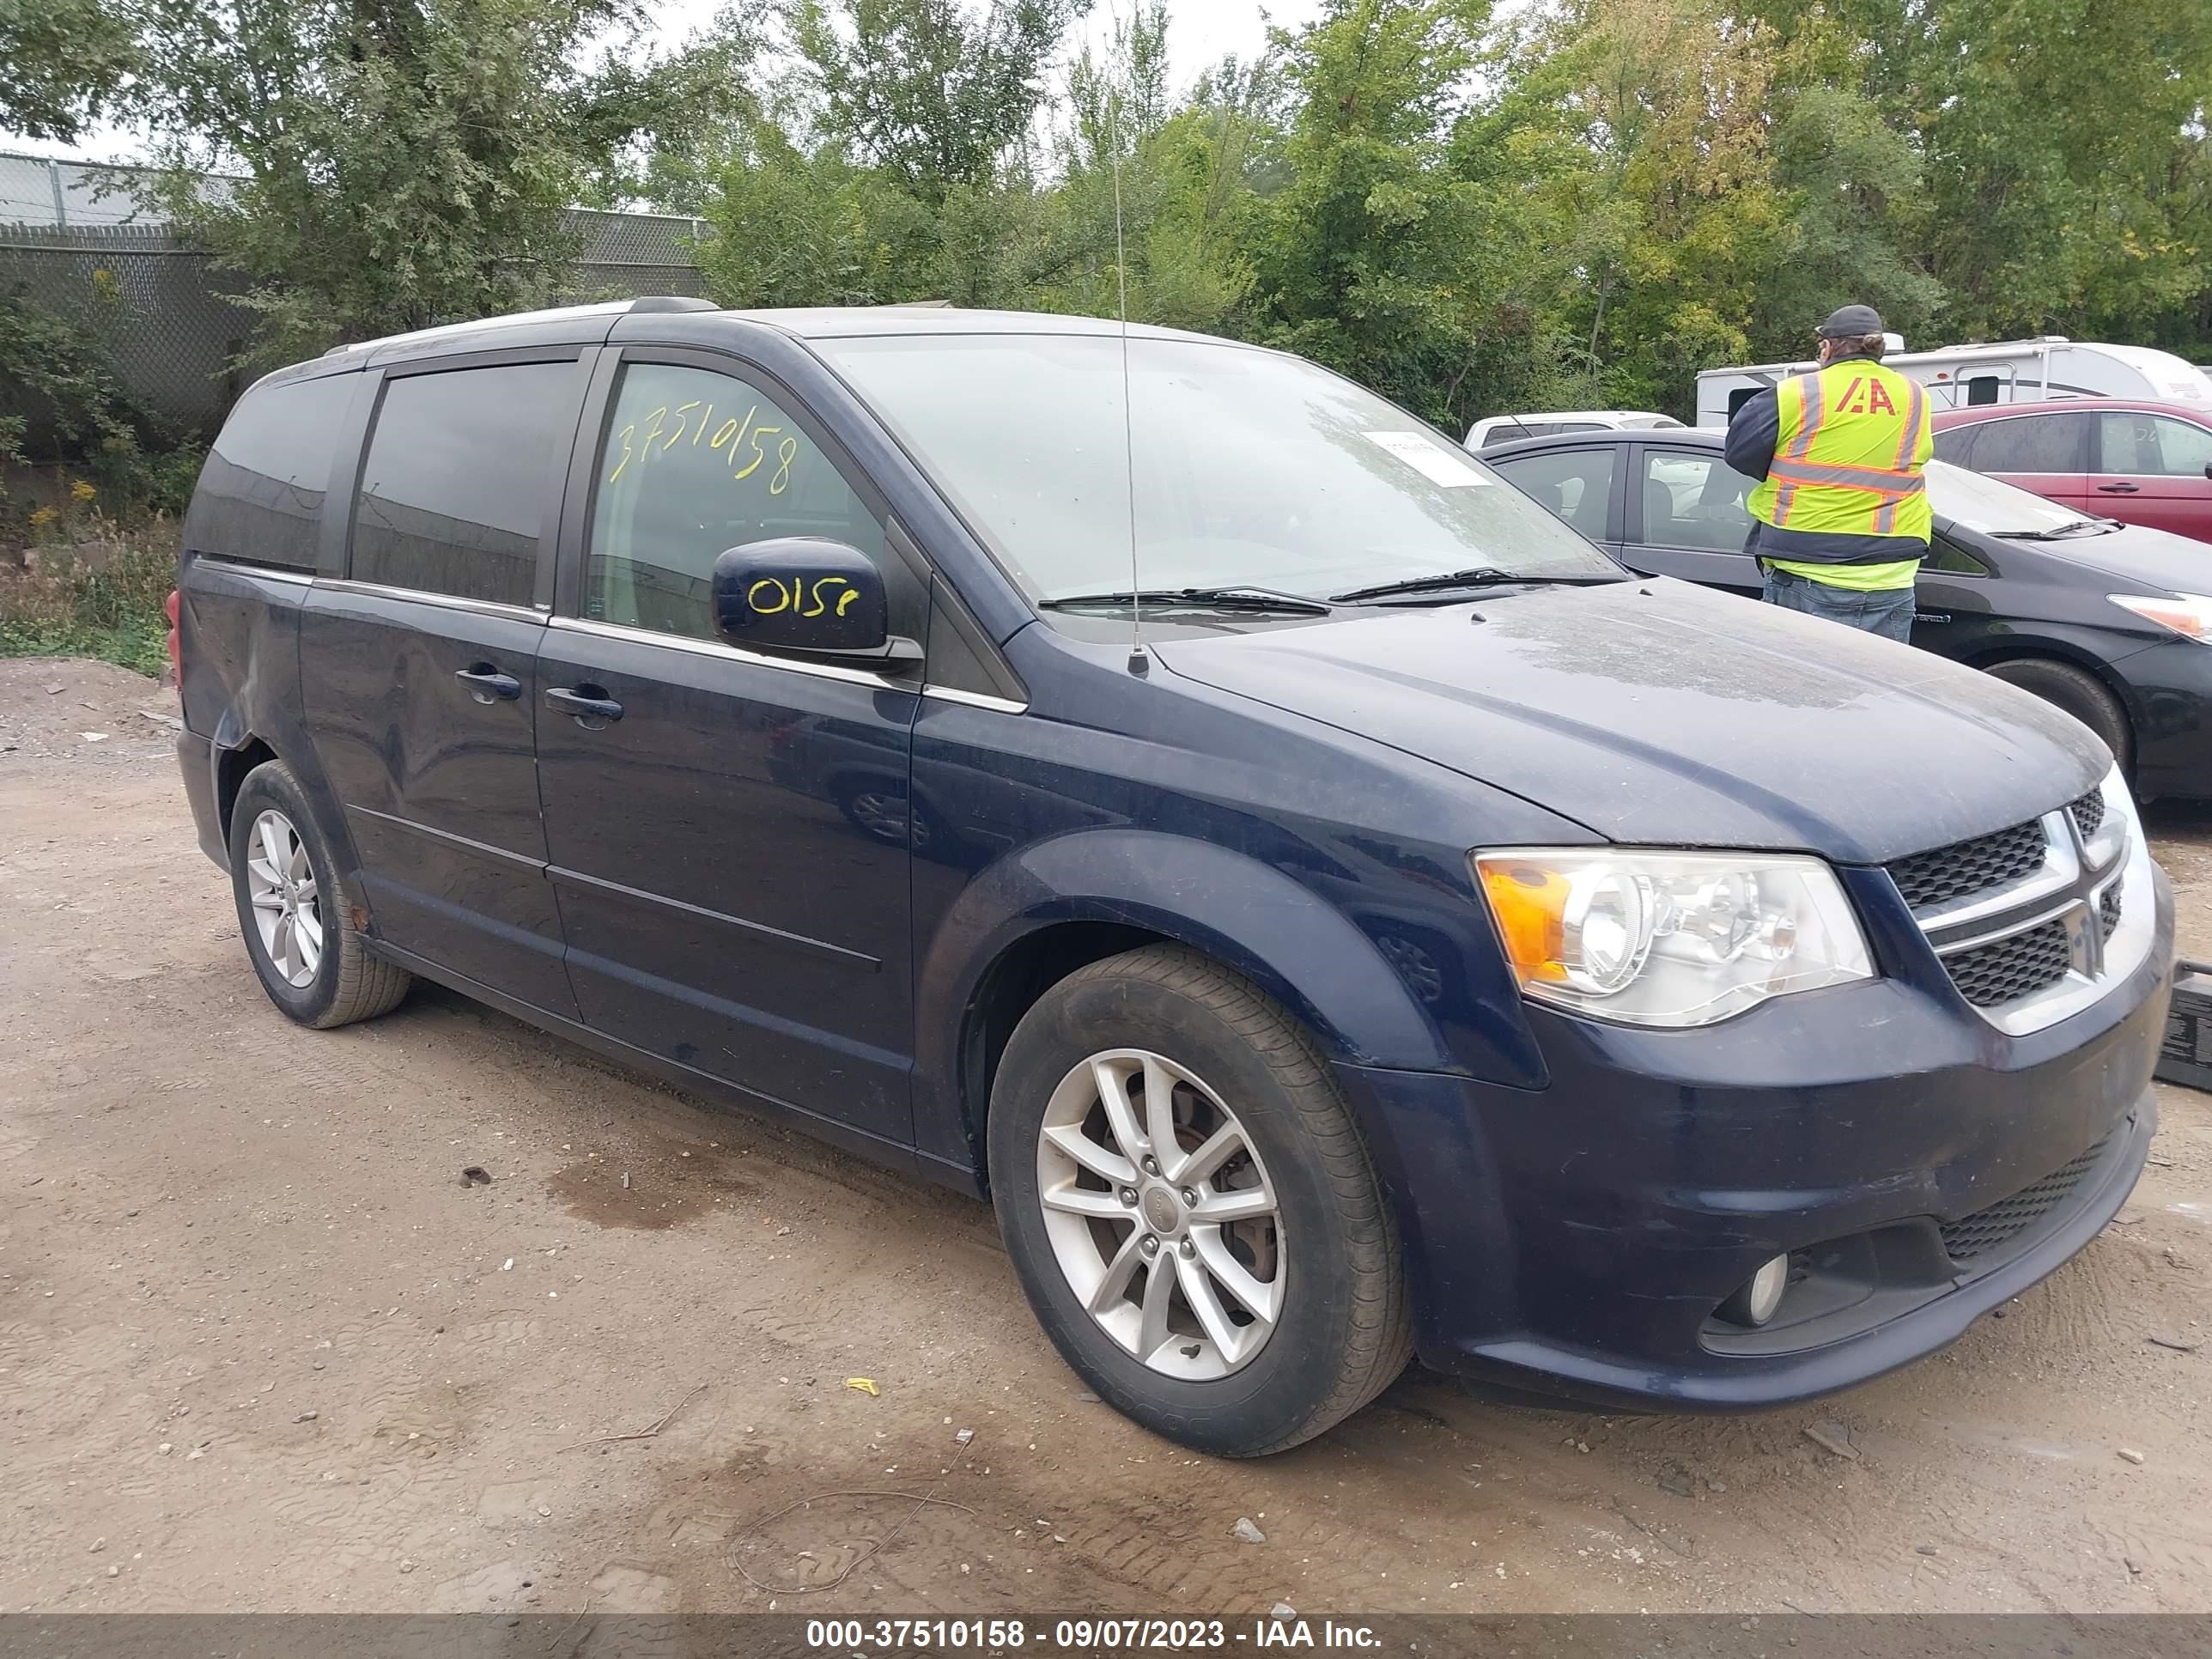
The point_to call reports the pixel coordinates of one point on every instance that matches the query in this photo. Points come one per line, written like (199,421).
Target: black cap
(1850,323)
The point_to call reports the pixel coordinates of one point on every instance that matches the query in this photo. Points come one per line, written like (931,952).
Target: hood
(2139,558)
(1658,713)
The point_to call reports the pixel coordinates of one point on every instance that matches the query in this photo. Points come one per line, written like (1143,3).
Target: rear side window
(1955,444)
(462,466)
(2031,443)
(261,492)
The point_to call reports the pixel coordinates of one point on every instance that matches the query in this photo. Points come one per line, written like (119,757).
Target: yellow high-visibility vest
(1849,457)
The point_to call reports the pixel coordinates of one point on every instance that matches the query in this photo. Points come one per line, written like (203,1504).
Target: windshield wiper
(2070,528)
(1485,575)
(1235,597)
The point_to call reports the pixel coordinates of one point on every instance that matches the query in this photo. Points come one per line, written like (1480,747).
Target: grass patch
(114,613)
(142,648)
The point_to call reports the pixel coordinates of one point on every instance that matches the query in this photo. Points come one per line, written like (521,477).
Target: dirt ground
(261,1348)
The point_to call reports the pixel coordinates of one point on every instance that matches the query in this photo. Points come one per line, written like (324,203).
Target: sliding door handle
(586,703)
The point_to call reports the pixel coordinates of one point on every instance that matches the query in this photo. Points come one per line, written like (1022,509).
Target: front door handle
(487,684)
(2119,489)
(586,703)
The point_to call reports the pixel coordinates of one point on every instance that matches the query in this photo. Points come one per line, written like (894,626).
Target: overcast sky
(1199,32)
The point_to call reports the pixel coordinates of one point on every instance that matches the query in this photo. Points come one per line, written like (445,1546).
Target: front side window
(1573,485)
(1694,500)
(695,462)
(2031,443)
(461,468)
(2153,446)
(1225,465)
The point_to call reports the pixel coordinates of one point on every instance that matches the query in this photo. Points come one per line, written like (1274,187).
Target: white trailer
(2009,372)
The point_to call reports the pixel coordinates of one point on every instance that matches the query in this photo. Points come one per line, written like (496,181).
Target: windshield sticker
(1429,458)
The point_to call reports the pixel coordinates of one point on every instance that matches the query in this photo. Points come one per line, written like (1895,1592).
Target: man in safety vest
(1841,519)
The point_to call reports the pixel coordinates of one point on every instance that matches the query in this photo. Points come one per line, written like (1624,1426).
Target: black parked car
(1430,939)
(2107,620)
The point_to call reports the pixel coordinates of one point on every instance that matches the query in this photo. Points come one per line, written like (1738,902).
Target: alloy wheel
(280,884)
(1161,1215)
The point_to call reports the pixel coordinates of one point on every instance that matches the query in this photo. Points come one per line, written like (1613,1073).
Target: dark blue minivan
(1333,910)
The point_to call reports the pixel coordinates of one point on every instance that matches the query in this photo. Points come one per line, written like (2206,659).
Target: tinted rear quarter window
(462,466)
(261,494)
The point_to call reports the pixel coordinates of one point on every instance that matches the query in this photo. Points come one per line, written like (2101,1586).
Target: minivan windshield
(1995,508)
(1250,468)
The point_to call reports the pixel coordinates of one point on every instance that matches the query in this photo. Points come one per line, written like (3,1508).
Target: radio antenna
(1139,662)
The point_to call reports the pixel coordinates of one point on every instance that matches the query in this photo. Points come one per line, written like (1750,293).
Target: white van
(2013,371)
(1510,428)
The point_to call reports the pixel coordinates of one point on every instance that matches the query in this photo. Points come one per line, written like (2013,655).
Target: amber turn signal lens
(1530,904)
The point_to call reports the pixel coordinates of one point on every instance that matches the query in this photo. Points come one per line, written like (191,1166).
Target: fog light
(1761,1294)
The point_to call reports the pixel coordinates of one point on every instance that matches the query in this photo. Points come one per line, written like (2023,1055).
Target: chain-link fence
(76,237)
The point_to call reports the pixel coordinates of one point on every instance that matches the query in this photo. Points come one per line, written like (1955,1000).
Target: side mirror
(806,596)
(2207,468)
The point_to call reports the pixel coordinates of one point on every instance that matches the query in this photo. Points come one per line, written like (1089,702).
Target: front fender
(1244,914)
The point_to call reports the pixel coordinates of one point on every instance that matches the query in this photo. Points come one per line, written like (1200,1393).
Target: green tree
(60,62)
(1369,259)
(799,229)
(931,90)
(406,161)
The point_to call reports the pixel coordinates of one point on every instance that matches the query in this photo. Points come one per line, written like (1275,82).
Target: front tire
(2076,692)
(1190,1208)
(295,915)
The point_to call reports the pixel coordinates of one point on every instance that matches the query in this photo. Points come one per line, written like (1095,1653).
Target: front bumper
(2170,685)
(1573,1242)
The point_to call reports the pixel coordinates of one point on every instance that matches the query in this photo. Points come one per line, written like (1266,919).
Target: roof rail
(671,302)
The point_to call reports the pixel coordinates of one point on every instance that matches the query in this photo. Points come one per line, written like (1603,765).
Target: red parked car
(2111,458)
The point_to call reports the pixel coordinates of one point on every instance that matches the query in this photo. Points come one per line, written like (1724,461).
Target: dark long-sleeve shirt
(1754,431)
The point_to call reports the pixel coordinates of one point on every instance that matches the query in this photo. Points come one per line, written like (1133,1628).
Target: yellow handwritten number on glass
(624,462)
(780,480)
(760,453)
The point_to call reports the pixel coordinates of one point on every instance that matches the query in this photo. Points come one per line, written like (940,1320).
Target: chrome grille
(2088,813)
(2013,968)
(1966,867)
(2026,919)
(1985,1229)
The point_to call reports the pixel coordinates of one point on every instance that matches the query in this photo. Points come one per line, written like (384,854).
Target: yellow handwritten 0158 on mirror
(797,596)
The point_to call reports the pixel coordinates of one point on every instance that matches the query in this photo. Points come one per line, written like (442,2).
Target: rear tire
(296,915)
(2076,692)
(1266,1193)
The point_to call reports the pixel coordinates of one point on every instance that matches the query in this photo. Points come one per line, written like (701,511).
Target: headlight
(2189,615)
(1669,939)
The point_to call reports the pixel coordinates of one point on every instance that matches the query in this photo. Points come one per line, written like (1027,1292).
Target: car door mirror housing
(806,596)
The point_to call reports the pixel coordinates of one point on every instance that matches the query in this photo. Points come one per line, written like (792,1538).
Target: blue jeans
(1887,611)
